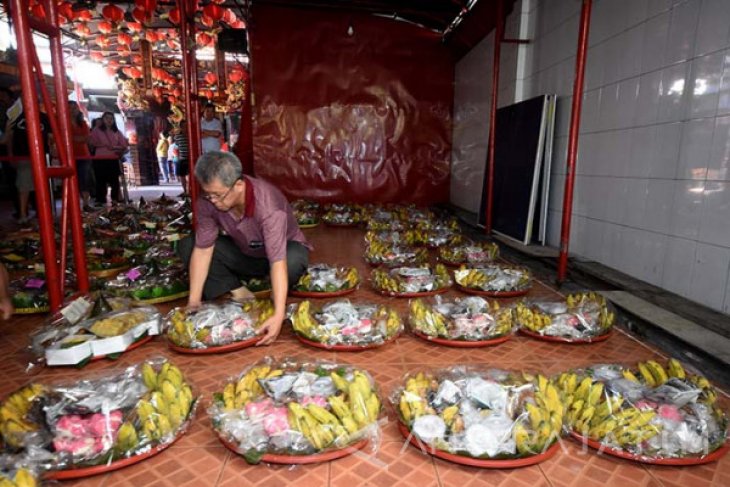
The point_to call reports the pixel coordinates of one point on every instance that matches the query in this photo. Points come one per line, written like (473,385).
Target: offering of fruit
(580,317)
(395,254)
(408,280)
(494,278)
(325,279)
(472,253)
(469,319)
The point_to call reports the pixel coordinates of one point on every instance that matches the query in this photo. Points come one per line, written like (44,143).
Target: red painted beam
(498,34)
(573,135)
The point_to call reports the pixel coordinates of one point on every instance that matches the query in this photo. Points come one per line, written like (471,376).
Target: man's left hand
(270,330)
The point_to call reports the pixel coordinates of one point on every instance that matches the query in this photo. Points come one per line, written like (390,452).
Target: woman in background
(80,133)
(163,145)
(107,141)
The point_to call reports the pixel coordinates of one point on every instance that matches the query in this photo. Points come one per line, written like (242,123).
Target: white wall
(652,196)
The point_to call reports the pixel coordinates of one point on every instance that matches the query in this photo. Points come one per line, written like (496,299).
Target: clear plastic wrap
(343,214)
(76,334)
(306,218)
(648,412)
(292,409)
(411,280)
(323,278)
(257,285)
(471,318)
(18,471)
(149,284)
(387,226)
(100,420)
(580,317)
(480,413)
(29,294)
(342,323)
(472,253)
(305,205)
(497,278)
(382,253)
(216,325)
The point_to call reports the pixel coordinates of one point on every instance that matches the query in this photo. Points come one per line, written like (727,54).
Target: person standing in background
(6,303)
(211,130)
(7,98)
(172,154)
(108,142)
(183,157)
(162,147)
(80,133)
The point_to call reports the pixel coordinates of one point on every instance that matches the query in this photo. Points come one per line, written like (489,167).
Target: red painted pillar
(498,35)
(580,65)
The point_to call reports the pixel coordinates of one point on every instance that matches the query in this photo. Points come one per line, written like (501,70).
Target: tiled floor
(199,460)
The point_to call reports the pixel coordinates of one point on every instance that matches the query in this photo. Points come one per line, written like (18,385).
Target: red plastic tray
(492,294)
(303,459)
(308,225)
(596,445)
(478,462)
(134,345)
(79,473)
(231,347)
(582,341)
(313,294)
(343,348)
(412,295)
(462,343)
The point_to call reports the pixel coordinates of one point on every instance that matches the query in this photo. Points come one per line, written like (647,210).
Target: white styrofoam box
(656,31)
(642,151)
(634,202)
(723,105)
(709,275)
(715,219)
(687,209)
(704,85)
(713,28)
(666,153)
(718,168)
(673,99)
(678,264)
(57,355)
(682,32)
(695,148)
(647,103)
(658,209)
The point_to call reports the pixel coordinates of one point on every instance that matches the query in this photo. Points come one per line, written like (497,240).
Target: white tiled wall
(652,195)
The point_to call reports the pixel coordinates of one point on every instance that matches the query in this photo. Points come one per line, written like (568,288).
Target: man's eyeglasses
(217,197)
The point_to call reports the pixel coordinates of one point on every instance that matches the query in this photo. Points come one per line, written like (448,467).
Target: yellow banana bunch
(412,402)
(248,388)
(305,281)
(14,424)
(576,301)
(304,323)
(427,320)
(352,277)
(471,278)
(675,369)
(264,308)
(385,282)
(531,317)
(22,478)
(127,439)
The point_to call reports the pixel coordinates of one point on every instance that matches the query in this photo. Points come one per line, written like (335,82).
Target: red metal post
(71,210)
(190,89)
(498,35)
(580,65)
(19,12)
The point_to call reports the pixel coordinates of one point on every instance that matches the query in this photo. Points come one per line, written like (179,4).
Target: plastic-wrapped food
(147,283)
(342,214)
(106,257)
(322,278)
(21,253)
(29,294)
(378,252)
(473,253)
(215,325)
(78,336)
(342,323)
(385,237)
(387,226)
(18,471)
(410,280)
(480,413)
(469,319)
(648,412)
(100,420)
(581,317)
(306,218)
(296,409)
(257,284)
(305,205)
(433,237)
(494,278)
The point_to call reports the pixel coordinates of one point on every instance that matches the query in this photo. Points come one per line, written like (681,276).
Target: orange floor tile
(198,459)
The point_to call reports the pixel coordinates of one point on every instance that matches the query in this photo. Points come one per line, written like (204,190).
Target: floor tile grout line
(544,474)
(436,471)
(651,474)
(223,468)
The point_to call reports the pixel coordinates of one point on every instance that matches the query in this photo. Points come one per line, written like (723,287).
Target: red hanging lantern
(204,39)
(152,36)
(124,39)
(239,24)
(105,27)
(209,94)
(207,21)
(174,16)
(135,72)
(126,71)
(229,17)
(97,56)
(177,92)
(82,30)
(210,78)
(111,71)
(102,41)
(123,50)
(172,99)
(112,13)
(171,44)
(85,16)
(135,27)
(146,5)
(113,63)
(137,59)
(235,76)
(37,10)
(139,15)
(66,11)
(213,11)
(171,33)
(218,1)
(157,92)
